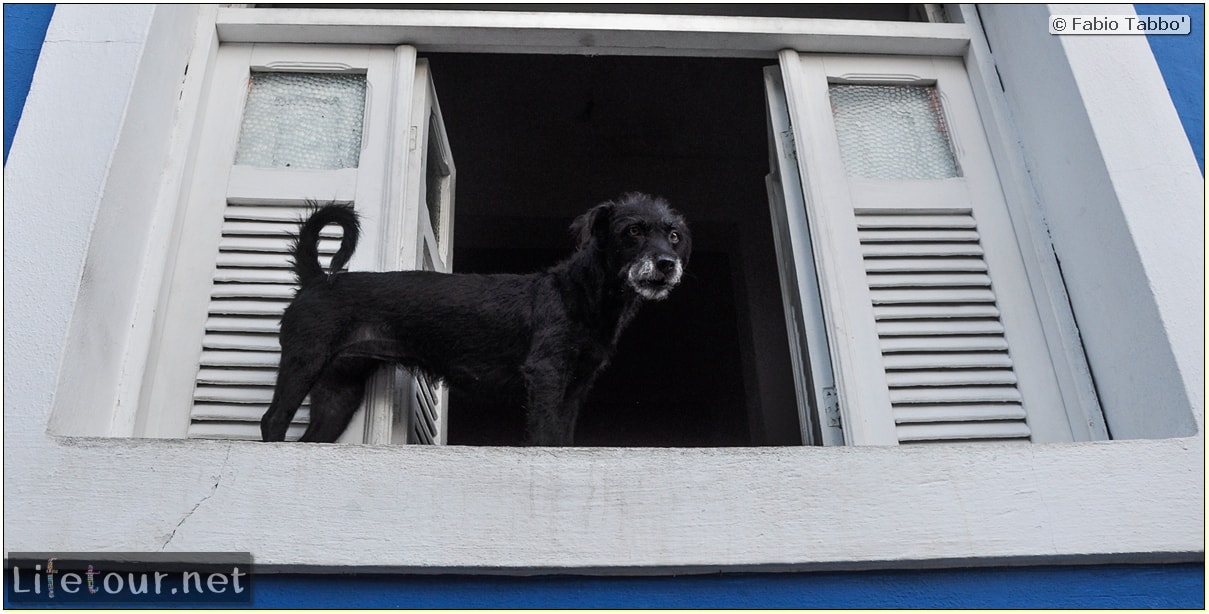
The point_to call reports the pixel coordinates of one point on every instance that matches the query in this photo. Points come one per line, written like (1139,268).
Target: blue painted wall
(1090,587)
(24,30)
(1182,61)
(1106,586)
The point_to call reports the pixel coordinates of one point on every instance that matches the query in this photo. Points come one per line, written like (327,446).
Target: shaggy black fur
(543,337)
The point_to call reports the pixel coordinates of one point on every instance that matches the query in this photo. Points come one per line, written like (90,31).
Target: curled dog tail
(306,245)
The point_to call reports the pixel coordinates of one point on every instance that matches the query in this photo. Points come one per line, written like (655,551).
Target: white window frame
(420,508)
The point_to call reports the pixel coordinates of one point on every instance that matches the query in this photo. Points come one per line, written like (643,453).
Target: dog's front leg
(550,415)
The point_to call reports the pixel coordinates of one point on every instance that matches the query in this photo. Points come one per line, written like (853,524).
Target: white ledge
(613,510)
(588,33)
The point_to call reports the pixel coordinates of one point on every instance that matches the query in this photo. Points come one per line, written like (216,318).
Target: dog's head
(641,239)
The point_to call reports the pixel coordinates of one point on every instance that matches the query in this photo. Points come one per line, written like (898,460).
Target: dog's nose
(665,265)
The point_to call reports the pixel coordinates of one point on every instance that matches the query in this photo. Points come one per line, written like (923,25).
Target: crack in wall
(213,490)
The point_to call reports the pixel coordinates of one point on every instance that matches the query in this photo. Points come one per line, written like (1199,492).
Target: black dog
(543,337)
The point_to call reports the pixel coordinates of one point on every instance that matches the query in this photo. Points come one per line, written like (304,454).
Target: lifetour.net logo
(108,579)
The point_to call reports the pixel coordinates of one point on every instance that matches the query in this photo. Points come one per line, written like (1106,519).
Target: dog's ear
(593,227)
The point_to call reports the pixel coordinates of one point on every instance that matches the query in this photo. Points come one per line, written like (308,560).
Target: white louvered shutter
(252,285)
(934,331)
(284,124)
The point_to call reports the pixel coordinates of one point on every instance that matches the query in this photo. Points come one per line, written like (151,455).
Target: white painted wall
(53,187)
(1124,200)
(93,167)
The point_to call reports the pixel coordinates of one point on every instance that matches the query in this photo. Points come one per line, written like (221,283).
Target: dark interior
(538,139)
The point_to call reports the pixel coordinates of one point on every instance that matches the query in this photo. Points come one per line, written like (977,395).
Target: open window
(284,125)
(868,290)
(931,325)
(541,139)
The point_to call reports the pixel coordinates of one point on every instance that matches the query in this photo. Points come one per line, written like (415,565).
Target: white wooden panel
(266,185)
(852,340)
(293,211)
(944,288)
(240,232)
(587,33)
(814,380)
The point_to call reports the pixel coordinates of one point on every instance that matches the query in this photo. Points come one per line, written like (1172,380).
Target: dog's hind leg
(336,397)
(292,387)
(299,369)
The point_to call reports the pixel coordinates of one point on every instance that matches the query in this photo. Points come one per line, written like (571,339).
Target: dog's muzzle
(653,277)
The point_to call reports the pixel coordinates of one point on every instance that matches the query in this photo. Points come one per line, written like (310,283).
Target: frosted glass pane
(302,120)
(892,132)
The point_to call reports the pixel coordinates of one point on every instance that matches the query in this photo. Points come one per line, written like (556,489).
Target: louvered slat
(254,276)
(256,260)
(913,312)
(935,265)
(235,412)
(264,360)
(252,285)
(267,325)
(932,279)
(947,362)
(250,342)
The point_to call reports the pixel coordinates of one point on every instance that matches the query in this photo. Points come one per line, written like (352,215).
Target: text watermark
(107,579)
(1120,24)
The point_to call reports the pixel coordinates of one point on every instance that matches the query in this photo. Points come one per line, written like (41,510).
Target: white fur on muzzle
(651,284)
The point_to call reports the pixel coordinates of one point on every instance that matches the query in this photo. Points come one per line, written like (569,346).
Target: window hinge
(411,138)
(831,407)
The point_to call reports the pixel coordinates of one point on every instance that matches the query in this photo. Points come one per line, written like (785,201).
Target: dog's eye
(674,237)
(634,231)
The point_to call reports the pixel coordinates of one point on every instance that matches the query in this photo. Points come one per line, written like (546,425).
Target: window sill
(617,510)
